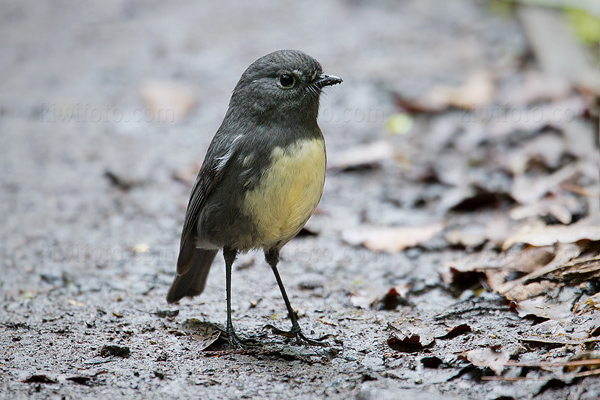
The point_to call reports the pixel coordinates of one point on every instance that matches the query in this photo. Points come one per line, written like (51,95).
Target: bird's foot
(296,333)
(234,340)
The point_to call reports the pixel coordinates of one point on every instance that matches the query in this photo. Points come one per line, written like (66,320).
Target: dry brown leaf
(549,235)
(560,207)
(524,292)
(204,332)
(361,156)
(580,328)
(505,122)
(496,267)
(395,297)
(580,270)
(455,196)
(498,230)
(556,48)
(417,105)
(488,358)
(361,300)
(168,100)
(478,91)
(564,253)
(469,237)
(537,86)
(391,239)
(541,307)
(380,297)
(452,272)
(580,139)
(590,304)
(411,334)
(526,190)
(547,147)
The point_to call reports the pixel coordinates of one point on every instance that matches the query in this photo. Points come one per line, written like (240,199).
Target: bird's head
(282,84)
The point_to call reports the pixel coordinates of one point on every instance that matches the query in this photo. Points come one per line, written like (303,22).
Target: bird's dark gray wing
(218,155)
(193,264)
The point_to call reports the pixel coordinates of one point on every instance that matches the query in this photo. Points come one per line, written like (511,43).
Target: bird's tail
(193,267)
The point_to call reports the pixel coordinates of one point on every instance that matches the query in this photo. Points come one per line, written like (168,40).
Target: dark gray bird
(262,176)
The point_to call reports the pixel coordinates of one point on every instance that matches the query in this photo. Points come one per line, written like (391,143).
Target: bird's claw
(299,336)
(235,341)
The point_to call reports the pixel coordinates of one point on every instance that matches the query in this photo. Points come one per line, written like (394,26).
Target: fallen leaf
(524,292)
(580,139)
(590,304)
(580,328)
(39,379)
(549,342)
(371,297)
(391,239)
(564,253)
(488,358)
(496,267)
(82,380)
(478,91)
(526,190)
(362,300)
(467,271)
(502,121)
(204,332)
(411,335)
(498,230)
(580,270)
(169,101)
(418,105)
(393,298)
(457,331)
(474,200)
(560,207)
(114,350)
(541,307)
(556,48)
(534,87)
(549,235)
(469,237)
(547,147)
(362,156)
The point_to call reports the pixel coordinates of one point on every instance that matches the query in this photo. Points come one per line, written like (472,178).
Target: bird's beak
(327,80)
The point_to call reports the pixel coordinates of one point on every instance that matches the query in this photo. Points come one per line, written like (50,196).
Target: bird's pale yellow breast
(288,192)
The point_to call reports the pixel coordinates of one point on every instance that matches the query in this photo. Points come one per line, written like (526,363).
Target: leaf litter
(501,286)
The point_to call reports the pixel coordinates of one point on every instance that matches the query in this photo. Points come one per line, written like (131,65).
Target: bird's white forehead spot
(297,72)
(314,76)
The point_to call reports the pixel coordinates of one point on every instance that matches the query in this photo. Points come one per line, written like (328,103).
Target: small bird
(261,179)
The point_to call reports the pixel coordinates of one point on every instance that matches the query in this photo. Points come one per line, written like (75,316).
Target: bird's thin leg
(229,255)
(272,257)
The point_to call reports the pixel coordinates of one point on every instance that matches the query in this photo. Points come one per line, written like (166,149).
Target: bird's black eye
(286,80)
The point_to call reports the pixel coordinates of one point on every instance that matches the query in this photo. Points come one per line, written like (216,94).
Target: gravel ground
(93,202)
